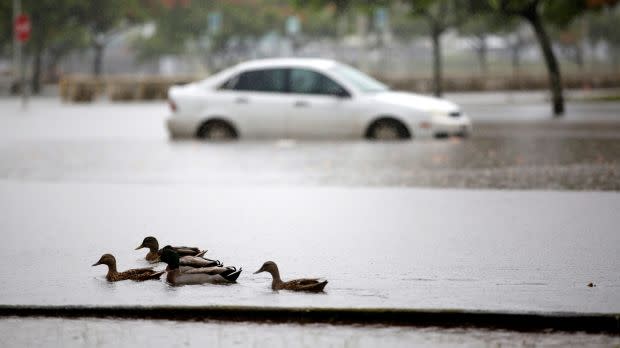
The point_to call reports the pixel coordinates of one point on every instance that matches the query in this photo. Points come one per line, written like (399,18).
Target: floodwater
(382,247)
(127,143)
(423,224)
(139,333)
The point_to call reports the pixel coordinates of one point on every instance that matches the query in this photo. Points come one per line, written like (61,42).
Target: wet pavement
(114,333)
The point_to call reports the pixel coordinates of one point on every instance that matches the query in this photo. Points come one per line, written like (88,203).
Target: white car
(301,98)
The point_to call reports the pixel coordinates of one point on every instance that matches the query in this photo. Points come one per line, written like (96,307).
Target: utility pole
(19,68)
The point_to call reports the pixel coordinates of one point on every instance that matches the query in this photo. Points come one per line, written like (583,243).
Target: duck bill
(96,264)
(260,270)
(140,247)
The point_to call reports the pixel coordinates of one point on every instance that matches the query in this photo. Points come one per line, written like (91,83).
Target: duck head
(170,257)
(149,242)
(106,259)
(270,267)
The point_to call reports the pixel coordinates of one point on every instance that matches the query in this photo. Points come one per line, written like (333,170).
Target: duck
(213,275)
(188,262)
(154,251)
(137,274)
(307,284)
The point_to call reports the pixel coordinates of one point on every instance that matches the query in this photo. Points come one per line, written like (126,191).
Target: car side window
(305,81)
(230,83)
(265,80)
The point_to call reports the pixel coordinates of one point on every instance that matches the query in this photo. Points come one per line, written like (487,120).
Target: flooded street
(382,247)
(518,218)
(127,143)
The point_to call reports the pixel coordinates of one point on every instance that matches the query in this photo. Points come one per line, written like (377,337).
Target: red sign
(22,27)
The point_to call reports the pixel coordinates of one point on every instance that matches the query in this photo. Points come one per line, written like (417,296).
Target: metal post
(16,48)
(18,64)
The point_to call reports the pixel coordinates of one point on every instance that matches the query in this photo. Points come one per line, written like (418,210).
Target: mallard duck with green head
(154,253)
(214,275)
(189,262)
(138,274)
(305,284)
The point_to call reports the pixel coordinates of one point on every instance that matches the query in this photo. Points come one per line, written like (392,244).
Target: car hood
(416,101)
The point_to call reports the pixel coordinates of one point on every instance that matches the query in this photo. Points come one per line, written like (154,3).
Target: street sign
(22,28)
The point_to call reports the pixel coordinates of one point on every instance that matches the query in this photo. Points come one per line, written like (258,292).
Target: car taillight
(173,106)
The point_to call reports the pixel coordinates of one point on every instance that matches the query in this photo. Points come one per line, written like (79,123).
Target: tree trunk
(579,56)
(515,56)
(36,68)
(615,58)
(51,68)
(482,49)
(98,59)
(437,68)
(515,59)
(553,68)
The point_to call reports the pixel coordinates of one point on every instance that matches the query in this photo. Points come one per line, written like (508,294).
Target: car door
(254,101)
(318,107)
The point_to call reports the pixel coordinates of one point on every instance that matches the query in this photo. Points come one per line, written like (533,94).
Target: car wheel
(216,130)
(388,129)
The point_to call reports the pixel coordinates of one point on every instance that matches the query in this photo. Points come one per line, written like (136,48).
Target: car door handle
(301,104)
(242,100)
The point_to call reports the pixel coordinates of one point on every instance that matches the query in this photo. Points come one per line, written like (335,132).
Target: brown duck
(311,285)
(154,251)
(138,274)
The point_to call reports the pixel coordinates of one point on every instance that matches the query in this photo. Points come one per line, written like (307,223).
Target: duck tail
(201,253)
(231,274)
(155,275)
(321,286)
(214,263)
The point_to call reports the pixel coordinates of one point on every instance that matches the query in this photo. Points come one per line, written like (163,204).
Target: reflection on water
(492,159)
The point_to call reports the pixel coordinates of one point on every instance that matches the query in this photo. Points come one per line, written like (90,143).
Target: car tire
(387,130)
(216,130)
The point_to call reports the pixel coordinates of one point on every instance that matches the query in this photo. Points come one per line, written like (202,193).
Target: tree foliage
(603,27)
(103,19)
(481,22)
(558,12)
(184,23)
(184,26)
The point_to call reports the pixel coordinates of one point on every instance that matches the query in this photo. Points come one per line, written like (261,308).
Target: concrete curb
(525,322)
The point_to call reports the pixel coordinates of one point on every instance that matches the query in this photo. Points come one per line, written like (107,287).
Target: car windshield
(358,79)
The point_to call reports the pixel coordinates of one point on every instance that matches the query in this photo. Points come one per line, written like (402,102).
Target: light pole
(19,68)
